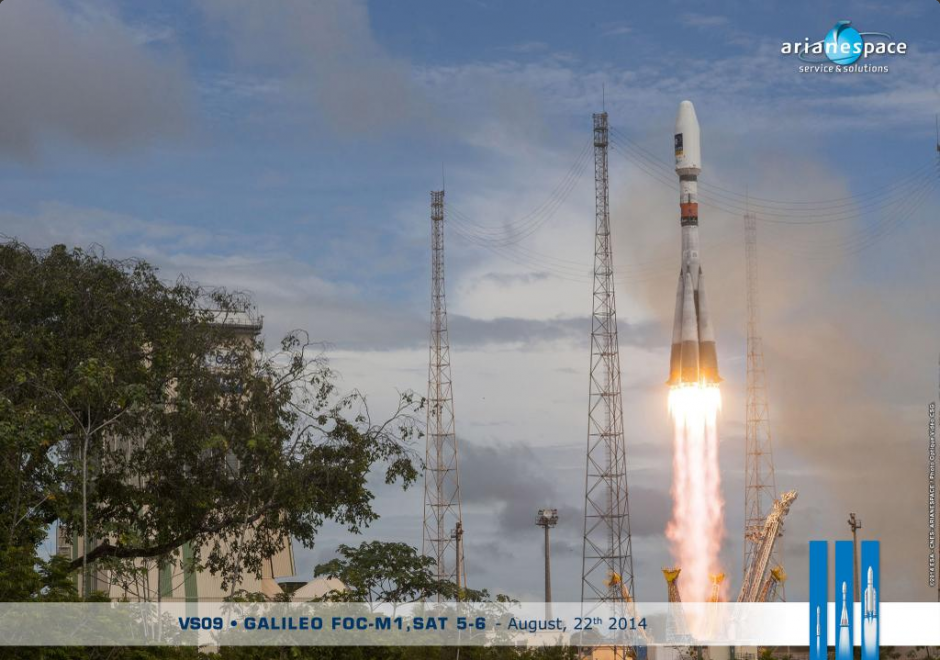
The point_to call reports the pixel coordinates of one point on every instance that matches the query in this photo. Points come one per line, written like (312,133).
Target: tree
(131,416)
(378,572)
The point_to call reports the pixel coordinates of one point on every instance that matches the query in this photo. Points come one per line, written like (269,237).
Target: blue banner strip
(844,590)
(818,598)
(871,593)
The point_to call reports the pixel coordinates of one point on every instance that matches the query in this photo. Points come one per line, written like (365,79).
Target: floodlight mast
(547,518)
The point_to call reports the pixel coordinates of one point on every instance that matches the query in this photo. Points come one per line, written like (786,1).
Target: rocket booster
(694,358)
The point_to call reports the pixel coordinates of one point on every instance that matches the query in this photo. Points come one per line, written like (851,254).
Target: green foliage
(397,653)
(126,408)
(24,576)
(378,572)
(105,653)
(114,417)
(294,653)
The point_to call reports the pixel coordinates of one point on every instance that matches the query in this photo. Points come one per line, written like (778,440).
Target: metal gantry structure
(672,584)
(443,520)
(760,488)
(754,583)
(607,559)
(677,629)
(772,583)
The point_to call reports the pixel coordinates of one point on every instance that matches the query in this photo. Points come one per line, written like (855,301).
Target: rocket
(844,621)
(693,358)
(870,595)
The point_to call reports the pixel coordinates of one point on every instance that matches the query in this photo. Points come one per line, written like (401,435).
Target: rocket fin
(708,354)
(689,348)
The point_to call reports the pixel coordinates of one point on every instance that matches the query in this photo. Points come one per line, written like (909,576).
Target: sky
(287,149)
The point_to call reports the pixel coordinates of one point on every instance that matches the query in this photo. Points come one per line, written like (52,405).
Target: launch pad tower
(760,490)
(607,557)
(443,521)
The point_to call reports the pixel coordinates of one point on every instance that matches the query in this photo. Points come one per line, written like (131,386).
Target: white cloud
(703,21)
(616,29)
(324,55)
(85,78)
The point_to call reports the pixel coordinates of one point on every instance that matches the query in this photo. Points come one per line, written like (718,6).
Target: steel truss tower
(760,488)
(443,522)
(607,559)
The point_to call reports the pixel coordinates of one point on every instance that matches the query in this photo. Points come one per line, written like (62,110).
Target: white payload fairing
(694,358)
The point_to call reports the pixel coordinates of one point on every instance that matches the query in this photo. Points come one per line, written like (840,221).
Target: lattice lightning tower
(607,559)
(760,483)
(443,523)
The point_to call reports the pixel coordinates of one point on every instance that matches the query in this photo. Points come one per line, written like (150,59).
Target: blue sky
(288,149)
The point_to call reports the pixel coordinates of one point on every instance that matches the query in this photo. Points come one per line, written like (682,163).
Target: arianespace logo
(845,50)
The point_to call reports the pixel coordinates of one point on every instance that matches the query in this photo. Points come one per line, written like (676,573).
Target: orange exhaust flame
(696,530)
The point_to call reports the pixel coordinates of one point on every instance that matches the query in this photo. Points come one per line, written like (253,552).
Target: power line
(755,202)
(898,194)
(896,201)
(516,230)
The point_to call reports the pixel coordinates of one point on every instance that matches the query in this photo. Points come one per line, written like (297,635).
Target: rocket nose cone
(686,117)
(688,141)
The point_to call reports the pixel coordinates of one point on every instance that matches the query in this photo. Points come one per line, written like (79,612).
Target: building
(176,581)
